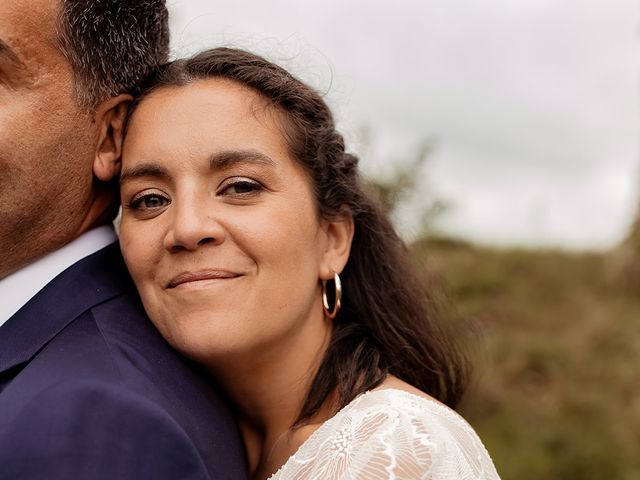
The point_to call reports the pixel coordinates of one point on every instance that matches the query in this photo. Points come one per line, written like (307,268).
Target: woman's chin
(212,347)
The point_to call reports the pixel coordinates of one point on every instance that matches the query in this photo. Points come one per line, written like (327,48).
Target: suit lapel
(92,280)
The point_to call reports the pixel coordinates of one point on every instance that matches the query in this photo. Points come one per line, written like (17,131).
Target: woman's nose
(194,225)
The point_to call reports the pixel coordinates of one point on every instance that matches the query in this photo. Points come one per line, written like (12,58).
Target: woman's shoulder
(400,400)
(399,404)
(393,432)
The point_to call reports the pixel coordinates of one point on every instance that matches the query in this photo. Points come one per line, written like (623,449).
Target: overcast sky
(532,105)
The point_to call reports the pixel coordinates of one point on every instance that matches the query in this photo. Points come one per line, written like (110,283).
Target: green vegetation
(557,390)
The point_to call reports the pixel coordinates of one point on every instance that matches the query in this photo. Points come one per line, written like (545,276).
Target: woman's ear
(110,117)
(339,233)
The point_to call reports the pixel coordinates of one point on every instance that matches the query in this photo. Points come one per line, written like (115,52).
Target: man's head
(112,45)
(66,69)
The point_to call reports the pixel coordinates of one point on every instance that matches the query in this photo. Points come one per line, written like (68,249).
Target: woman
(257,254)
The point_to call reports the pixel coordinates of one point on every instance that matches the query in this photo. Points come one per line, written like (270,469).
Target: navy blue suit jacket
(90,390)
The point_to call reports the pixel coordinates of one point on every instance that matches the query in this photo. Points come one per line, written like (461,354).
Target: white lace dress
(391,434)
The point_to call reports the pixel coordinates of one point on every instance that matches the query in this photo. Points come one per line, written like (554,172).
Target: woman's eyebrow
(218,161)
(142,170)
(229,158)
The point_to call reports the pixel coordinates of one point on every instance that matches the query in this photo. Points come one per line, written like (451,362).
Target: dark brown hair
(112,44)
(388,323)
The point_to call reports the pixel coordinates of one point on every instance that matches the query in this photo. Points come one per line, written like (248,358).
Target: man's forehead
(7,52)
(28,26)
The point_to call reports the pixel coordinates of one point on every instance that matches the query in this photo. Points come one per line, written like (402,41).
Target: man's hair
(112,44)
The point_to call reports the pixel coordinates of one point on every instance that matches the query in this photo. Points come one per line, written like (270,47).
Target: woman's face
(219,226)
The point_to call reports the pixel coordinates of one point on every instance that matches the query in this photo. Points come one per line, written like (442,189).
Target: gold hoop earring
(338,297)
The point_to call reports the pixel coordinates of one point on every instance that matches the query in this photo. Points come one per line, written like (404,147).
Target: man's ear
(110,117)
(339,233)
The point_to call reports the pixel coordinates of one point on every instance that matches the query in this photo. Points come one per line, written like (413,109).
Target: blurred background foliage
(556,393)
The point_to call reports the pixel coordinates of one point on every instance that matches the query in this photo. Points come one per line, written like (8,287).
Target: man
(88,389)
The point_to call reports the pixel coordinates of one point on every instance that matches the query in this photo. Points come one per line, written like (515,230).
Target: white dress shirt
(19,287)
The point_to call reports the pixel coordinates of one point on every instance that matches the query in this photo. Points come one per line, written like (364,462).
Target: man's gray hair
(112,44)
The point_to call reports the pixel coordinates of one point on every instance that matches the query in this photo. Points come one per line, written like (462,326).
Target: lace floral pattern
(391,434)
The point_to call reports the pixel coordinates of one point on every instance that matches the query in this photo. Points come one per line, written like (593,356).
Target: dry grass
(557,393)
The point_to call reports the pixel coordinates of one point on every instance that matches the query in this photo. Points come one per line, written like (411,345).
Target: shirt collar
(17,288)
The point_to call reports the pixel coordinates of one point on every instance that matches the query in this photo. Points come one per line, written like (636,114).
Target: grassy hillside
(557,393)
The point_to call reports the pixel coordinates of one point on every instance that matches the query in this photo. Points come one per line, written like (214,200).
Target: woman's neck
(267,387)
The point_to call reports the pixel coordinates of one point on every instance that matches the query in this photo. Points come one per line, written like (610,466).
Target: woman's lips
(190,277)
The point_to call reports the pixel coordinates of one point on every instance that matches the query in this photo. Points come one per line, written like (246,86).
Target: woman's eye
(241,188)
(149,201)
